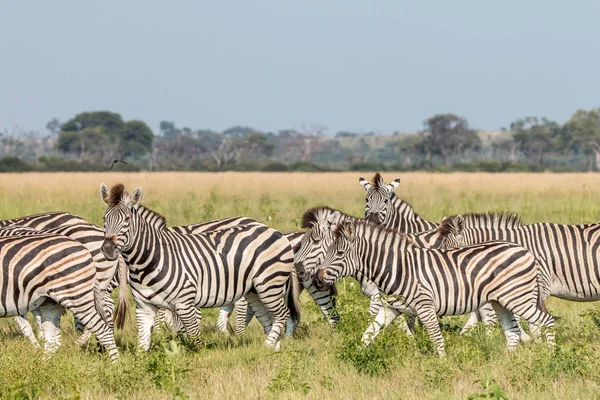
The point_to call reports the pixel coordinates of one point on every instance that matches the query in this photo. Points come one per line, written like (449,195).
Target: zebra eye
(340,252)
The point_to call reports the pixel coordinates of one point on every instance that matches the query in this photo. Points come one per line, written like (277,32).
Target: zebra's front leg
(27,330)
(508,324)
(385,316)
(189,316)
(428,317)
(472,322)
(325,300)
(144,315)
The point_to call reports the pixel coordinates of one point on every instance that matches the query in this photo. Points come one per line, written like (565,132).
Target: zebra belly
(558,289)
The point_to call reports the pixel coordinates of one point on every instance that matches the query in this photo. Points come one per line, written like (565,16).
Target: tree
(108,120)
(534,137)
(168,129)
(53,126)
(447,135)
(584,130)
(136,138)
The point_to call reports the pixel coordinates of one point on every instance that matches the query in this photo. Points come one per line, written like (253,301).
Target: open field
(318,363)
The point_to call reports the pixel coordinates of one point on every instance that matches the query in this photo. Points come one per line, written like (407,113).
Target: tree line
(91,141)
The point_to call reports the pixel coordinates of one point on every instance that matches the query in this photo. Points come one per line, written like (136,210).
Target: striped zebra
(47,273)
(430,282)
(181,271)
(310,252)
(568,254)
(91,237)
(383,207)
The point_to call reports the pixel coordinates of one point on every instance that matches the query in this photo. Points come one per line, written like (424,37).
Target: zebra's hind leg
(50,313)
(385,316)
(508,324)
(538,320)
(27,330)
(189,316)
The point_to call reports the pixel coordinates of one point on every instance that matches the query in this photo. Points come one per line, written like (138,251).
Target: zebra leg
(370,289)
(224,313)
(539,319)
(325,301)
(188,314)
(50,314)
(428,317)
(260,311)
(508,324)
(86,334)
(144,315)
(243,315)
(38,321)
(27,330)
(473,320)
(523,336)
(385,316)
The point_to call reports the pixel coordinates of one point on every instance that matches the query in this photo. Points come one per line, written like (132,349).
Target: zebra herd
(489,265)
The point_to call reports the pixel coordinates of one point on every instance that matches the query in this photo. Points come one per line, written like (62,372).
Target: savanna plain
(318,362)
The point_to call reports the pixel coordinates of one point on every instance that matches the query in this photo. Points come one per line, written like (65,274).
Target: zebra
(569,255)
(91,237)
(47,273)
(310,252)
(383,207)
(431,282)
(180,271)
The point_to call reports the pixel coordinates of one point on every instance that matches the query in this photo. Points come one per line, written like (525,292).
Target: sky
(351,65)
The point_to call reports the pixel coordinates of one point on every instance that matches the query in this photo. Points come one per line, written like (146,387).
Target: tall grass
(319,362)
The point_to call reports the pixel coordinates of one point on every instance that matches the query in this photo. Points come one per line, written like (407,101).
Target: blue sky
(347,65)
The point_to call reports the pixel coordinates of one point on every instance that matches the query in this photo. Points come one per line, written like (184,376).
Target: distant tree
(110,121)
(342,134)
(534,137)
(136,138)
(448,135)
(168,129)
(584,131)
(239,131)
(53,126)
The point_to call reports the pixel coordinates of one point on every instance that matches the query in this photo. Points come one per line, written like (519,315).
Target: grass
(318,363)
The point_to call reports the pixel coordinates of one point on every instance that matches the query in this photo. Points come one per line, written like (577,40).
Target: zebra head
(378,197)
(318,222)
(117,218)
(341,258)
(451,232)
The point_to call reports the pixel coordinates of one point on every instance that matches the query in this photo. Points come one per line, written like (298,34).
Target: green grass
(318,363)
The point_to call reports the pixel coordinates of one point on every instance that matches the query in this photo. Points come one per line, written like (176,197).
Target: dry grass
(239,367)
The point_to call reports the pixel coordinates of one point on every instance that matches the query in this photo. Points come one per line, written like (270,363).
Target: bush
(14,164)
(275,167)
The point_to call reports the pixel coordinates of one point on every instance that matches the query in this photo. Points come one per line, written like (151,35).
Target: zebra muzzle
(109,249)
(319,282)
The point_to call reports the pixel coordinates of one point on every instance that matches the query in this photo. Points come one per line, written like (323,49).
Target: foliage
(447,135)
(491,390)
(14,164)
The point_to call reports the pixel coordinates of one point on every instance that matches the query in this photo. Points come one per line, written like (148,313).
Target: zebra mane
(314,215)
(506,220)
(153,218)
(378,180)
(447,226)
(117,193)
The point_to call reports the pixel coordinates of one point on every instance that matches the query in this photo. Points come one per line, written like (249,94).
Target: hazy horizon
(353,66)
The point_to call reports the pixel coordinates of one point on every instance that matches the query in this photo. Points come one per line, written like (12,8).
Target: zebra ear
(136,196)
(393,185)
(104,193)
(348,230)
(459,223)
(333,218)
(364,183)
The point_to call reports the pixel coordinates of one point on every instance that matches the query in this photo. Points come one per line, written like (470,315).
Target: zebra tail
(123,301)
(293,297)
(99,303)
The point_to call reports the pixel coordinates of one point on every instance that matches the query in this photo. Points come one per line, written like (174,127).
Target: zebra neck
(402,216)
(145,243)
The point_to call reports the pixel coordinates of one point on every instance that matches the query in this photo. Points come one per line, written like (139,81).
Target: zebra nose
(109,248)
(318,281)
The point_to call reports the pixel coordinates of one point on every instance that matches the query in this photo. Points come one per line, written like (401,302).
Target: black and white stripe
(180,271)
(47,273)
(383,207)
(430,282)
